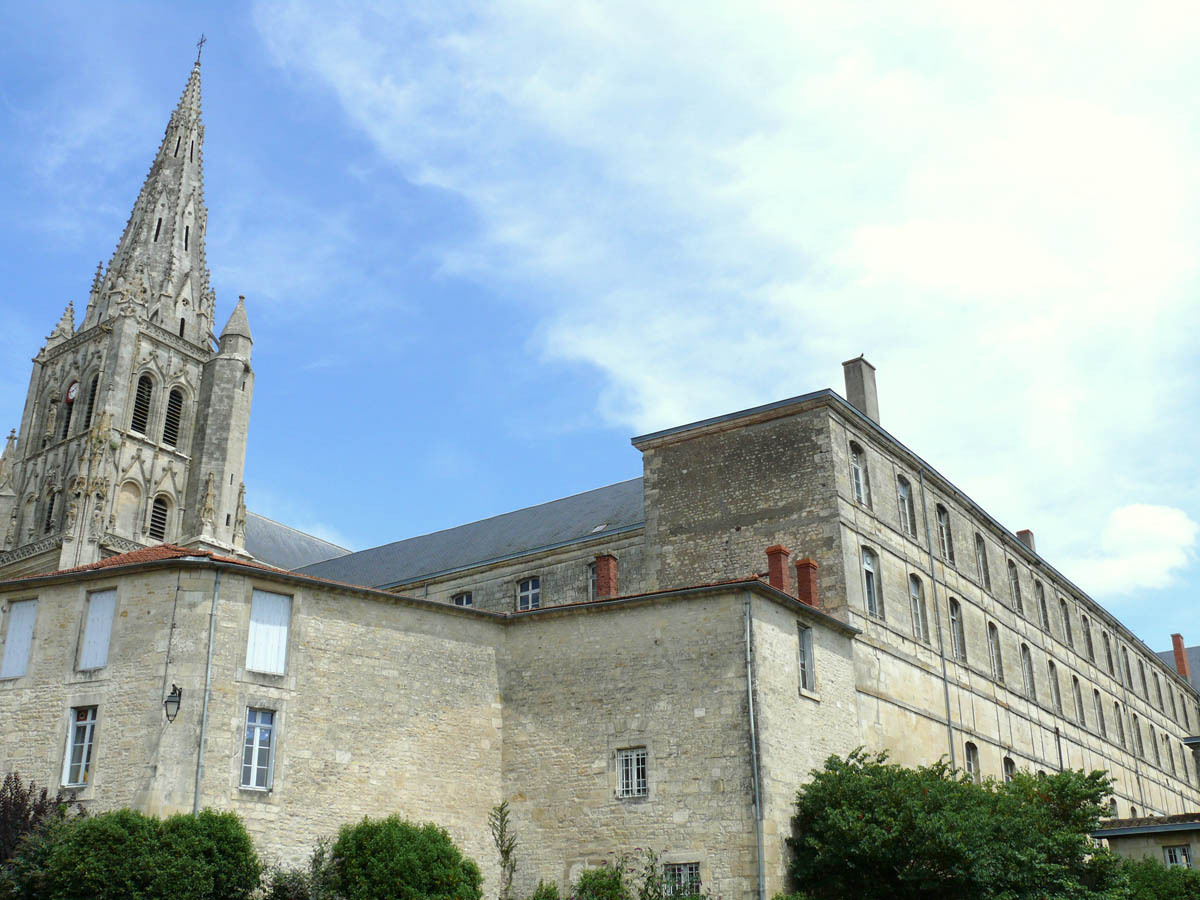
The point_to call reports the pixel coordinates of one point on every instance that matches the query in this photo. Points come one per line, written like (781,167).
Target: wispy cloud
(1141,547)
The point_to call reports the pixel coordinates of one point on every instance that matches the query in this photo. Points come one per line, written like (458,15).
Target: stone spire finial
(238,323)
(98,280)
(65,329)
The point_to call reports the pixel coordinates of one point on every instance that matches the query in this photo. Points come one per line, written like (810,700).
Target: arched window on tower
(48,524)
(158,518)
(173,417)
(90,406)
(68,409)
(141,405)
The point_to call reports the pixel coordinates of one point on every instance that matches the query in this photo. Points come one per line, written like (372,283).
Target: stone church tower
(134,428)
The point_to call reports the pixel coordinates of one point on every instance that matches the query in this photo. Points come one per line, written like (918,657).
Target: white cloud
(1142,547)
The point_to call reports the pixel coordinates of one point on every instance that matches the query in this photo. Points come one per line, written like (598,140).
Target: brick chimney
(1025,536)
(860,387)
(777,567)
(606,576)
(806,582)
(1181,660)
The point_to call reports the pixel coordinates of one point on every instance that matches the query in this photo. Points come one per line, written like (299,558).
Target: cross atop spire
(200,47)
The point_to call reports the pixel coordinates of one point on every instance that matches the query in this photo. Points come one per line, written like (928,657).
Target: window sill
(810,695)
(258,794)
(635,798)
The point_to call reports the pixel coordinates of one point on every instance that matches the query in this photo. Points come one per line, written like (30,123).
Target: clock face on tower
(72,391)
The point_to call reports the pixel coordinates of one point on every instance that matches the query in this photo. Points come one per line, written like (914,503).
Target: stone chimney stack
(1025,536)
(860,387)
(1181,660)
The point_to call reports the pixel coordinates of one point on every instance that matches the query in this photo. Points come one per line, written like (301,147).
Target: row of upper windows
(528,592)
(860,482)
(143,405)
(61,416)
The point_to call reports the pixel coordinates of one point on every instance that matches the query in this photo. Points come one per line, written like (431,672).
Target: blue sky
(484,244)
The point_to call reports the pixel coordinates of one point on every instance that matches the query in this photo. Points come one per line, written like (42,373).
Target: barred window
(529,593)
(141,405)
(631,772)
(173,418)
(257,755)
(682,879)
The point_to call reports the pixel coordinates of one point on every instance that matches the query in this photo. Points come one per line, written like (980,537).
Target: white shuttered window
(270,615)
(18,638)
(97,630)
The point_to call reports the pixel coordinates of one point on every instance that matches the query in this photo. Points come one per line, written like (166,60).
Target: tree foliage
(866,828)
(1149,879)
(23,810)
(393,859)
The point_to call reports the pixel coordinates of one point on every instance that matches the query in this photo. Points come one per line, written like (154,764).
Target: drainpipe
(937,620)
(212,627)
(1058,743)
(758,810)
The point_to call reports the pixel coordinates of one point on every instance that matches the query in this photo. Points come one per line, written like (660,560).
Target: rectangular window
(681,879)
(97,629)
(591,573)
(1180,855)
(257,756)
(807,669)
(266,648)
(463,599)
(529,593)
(81,735)
(631,772)
(18,639)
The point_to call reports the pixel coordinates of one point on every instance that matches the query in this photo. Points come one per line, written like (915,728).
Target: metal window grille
(257,762)
(682,879)
(807,667)
(631,772)
(80,740)
(141,405)
(158,519)
(18,638)
(463,599)
(529,593)
(173,418)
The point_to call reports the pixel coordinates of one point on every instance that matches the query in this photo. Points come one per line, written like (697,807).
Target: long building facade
(656,663)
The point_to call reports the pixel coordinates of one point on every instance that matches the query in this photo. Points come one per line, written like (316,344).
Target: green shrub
(545,891)
(605,882)
(23,810)
(311,883)
(392,859)
(205,856)
(1149,879)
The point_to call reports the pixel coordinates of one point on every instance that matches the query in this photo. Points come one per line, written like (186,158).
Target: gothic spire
(159,263)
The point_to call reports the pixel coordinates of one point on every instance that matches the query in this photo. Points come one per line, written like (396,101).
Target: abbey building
(655,663)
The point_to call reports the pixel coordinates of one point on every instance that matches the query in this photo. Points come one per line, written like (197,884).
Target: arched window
(1108,658)
(158,518)
(1043,611)
(1154,746)
(920,618)
(1133,812)
(1086,627)
(1128,670)
(872,596)
(173,417)
(860,480)
(1120,723)
(1014,588)
(1112,807)
(1077,696)
(91,401)
(1158,693)
(1010,769)
(993,634)
(945,536)
(908,512)
(958,635)
(68,410)
(1174,708)
(1142,673)
(48,524)
(981,565)
(1055,688)
(1027,673)
(1169,751)
(973,763)
(141,405)
(1135,729)
(1099,709)
(1068,634)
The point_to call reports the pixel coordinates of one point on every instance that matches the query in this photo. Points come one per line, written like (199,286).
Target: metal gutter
(758,810)
(1145,829)
(212,629)
(937,615)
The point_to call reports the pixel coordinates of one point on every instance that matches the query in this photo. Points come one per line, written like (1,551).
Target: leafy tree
(866,828)
(392,859)
(1149,879)
(23,810)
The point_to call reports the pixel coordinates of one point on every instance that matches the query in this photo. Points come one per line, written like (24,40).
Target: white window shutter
(97,630)
(18,639)
(266,649)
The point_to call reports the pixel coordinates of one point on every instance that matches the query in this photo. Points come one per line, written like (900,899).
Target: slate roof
(1193,658)
(283,546)
(603,511)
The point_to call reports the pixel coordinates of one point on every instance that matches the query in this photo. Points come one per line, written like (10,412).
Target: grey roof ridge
(510,556)
(307,534)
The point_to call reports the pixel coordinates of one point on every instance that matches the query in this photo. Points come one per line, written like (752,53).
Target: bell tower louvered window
(158,519)
(141,405)
(173,418)
(90,407)
(48,525)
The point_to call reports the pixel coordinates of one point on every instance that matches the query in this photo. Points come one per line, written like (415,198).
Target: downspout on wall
(937,619)
(758,809)
(212,628)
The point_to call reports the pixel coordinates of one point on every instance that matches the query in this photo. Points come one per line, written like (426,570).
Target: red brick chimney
(606,576)
(806,582)
(1025,536)
(1181,662)
(777,567)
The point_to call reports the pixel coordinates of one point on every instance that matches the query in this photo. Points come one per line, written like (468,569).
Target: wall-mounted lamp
(171,704)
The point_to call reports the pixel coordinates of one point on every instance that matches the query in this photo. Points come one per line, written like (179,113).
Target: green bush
(392,859)
(545,891)
(311,883)
(1149,879)
(605,882)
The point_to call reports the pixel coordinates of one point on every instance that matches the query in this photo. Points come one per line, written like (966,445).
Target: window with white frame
(1055,687)
(807,665)
(258,757)
(920,617)
(681,879)
(529,593)
(860,481)
(81,738)
(18,638)
(945,535)
(97,630)
(908,512)
(463,599)
(631,772)
(958,634)
(1010,769)
(872,598)
(1014,588)
(267,644)
(1178,855)
(981,563)
(972,758)
(1027,673)
(993,634)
